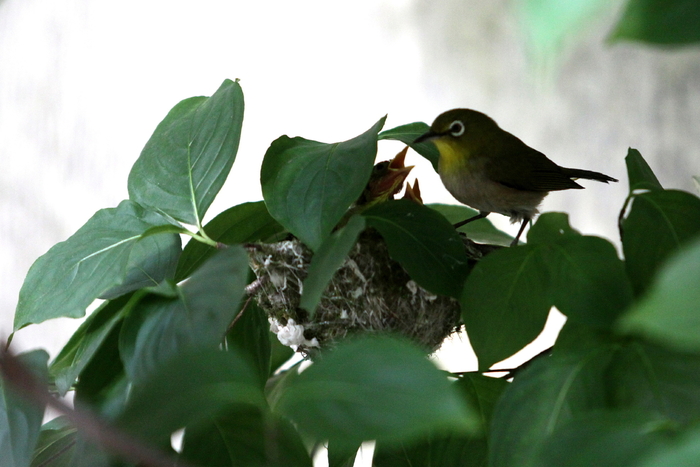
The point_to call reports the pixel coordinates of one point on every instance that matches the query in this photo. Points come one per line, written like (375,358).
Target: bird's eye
(457,128)
(380,166)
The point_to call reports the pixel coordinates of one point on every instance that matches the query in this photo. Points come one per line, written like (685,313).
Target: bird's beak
(393,181)
(427,136)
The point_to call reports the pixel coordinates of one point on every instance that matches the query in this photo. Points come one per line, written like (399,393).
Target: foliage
(178,344)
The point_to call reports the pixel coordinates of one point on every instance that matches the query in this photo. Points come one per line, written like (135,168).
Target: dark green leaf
(669,312)
(547,394)
(55,445)
(684,451)
(424,243)
(247,222)
(657,224)
(588,281)
(374,388)
(656,379)
(326,261)
(407,134)
(245,436)
(20,419)
(105,258)
(551,227)
(196,386)
(187,159)
(342,456)
(482,231)
(446,449)
(250,336)
(84,343)
(505,302)
(641,177)
(662,22)
(308,186)
(603,439)
(159,328)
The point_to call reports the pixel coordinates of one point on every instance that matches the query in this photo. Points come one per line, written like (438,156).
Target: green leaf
(545,396)
(343,455)
(641,177)
(105,258)
(55,445)
(407,134)
(656,379)
(588,281)
(308,186)
(657,224)
(198,385)
(326,261)
(20,419)
(482,231)
(669,312)
(661,22)
(245,436)
(424,243)
(604,439)
(550,228)
(187,159)
(247,222)
(446,449)
(84,343)
(374,388)
(250,336)
(683,451)
(158,329)
(505,302)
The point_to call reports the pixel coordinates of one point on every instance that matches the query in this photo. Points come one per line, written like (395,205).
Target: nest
(370,292)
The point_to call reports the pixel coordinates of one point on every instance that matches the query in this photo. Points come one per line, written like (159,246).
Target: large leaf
(684,451)
(374,388)
(669,312)
(450,449)
(84,342)
(245,436)
(656,379)
(545,396)
(424,243)
(106,257)
(641,177)
(408,133)
(55,445)
(327,260)
(184,164)
(663,22)
(20,419)
(505,302)
(159,328)
(482,231)
(196,386)
(250,337)
(247,222)
(604,439)
(657,224)
(308,185)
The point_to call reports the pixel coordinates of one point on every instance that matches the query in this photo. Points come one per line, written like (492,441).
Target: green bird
(491,170)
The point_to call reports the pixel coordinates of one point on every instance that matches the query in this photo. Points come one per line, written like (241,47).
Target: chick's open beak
(392,182)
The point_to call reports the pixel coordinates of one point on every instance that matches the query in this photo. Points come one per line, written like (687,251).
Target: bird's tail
(588,175)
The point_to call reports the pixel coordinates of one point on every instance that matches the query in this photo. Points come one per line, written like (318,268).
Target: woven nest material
(369,293)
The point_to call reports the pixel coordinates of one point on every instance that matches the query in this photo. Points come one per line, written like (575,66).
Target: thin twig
(16,374)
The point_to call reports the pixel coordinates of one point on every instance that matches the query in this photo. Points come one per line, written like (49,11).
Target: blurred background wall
(83,84)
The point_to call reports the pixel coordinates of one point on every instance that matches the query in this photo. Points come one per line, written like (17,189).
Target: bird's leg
(520,232)
(481,215)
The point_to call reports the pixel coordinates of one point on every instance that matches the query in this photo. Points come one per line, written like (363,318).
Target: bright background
(83,83)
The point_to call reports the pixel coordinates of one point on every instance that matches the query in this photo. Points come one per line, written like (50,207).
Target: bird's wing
(520,167)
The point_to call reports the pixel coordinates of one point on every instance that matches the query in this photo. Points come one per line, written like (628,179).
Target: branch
(15,374)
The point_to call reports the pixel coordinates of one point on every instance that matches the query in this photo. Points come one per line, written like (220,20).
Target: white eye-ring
(457,128)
